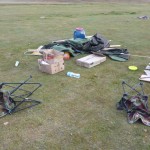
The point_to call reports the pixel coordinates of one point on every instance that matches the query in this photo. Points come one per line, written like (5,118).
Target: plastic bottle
(72,74)
(79,33)
(17,63)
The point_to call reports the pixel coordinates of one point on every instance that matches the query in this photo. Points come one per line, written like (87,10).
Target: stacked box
(90,60)
(52,61)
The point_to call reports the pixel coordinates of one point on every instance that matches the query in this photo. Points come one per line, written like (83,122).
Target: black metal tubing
(34,102)
(23,97)
(133,88)
(122,103)
(18,88)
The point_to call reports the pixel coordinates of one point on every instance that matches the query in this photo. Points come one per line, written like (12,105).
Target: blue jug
(79,33)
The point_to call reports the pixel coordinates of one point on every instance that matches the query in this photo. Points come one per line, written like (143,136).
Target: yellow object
(32,52)
(133,68)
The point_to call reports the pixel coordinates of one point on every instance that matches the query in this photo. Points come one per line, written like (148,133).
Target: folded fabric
(146,76)
(148,67)
(136,108)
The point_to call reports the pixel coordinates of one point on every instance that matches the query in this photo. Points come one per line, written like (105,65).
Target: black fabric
(67,44)
(96,43)
(70,46)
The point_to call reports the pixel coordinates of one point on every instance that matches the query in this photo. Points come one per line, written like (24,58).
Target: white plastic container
(17,63)
(72,74)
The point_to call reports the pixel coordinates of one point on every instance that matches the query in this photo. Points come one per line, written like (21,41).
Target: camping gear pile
(97,47)
(96,44)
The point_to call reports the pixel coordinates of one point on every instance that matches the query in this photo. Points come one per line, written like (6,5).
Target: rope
(136,55)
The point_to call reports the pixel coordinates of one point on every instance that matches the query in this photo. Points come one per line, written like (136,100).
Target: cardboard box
(53,56)
(90,60)
(50,68)
(52,61)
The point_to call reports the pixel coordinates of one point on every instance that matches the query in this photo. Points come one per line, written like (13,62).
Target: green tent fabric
(86,45)
(91,44)
(115,54)
(72,46)
(62,48)
(114,57)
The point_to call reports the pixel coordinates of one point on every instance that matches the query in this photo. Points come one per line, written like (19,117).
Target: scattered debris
(117,54)
(32,52)
(148,67)
(67,56)
(145,130)
(79,33)
(17,63)
(133,68)
(146,76)
(90,60)
(52,61)
(143,17)
(42,17)
(16,98)
(79,45)
(72,74)
(6,123)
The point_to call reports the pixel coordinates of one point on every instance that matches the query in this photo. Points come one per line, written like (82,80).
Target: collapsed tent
(95,44)
(79,45)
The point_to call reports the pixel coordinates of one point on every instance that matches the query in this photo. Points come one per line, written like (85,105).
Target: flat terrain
(69,1)
(75,114)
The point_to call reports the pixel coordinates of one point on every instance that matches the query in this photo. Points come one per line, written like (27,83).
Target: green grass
(75,113)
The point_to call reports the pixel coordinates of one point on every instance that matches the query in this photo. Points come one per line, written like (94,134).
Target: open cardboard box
(51,68)
(52,56)
(52,61)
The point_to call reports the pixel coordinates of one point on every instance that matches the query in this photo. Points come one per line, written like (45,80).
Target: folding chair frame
(122,103)
(24,98)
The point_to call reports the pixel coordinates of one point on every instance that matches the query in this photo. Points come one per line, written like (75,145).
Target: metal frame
(23,98)
(122,103)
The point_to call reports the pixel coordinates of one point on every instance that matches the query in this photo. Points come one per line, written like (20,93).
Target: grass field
(75,113)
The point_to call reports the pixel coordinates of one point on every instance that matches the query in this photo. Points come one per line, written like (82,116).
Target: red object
(79,29)
(66,56)
(50,56)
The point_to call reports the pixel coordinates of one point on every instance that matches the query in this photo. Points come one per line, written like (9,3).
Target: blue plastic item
(74,75)
(79,33)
